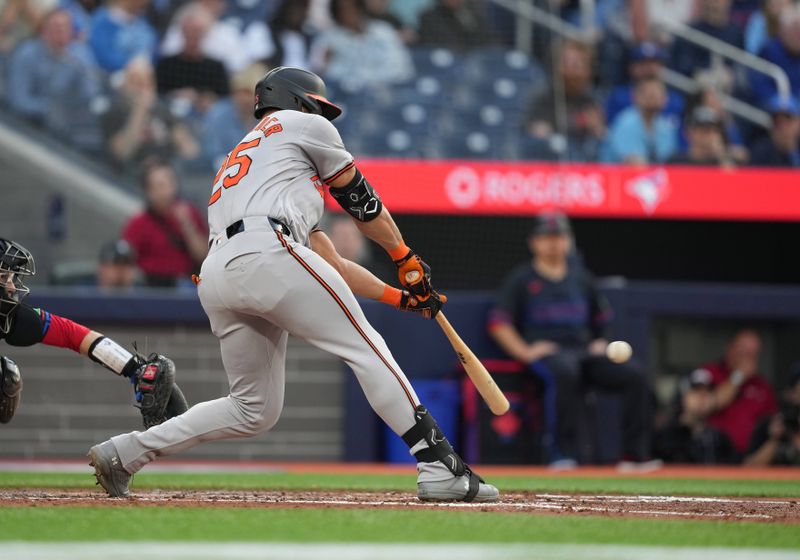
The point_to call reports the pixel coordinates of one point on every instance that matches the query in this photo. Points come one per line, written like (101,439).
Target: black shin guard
(439,449)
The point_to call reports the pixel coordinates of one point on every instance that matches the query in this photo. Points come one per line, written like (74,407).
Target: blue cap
(647,51)
(551,222)
(787,105)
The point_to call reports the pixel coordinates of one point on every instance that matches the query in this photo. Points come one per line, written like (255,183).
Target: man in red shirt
(741,395)
(170,237)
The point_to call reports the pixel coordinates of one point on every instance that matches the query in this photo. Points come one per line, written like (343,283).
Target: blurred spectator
(688,438)
(642,134)
(192,80)
(170,236)
(776,440)
(381,10)
(227,122)
(138,127)
(358,51)
(714,20)
(783,51)
(741,396)
(707,144)
(568,108)
(764,24)
(52,81)
(160,14)
(646,61)
(550,315)
(664,12)
(292,35)
(120,33)
(235,43)
(409,11)
(19,19)
(241,12)
(351,244)
(782,147)
(81,13)
(116,266)
(735,147)
(455,24)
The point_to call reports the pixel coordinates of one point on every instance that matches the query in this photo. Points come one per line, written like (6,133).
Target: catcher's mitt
(10,389)
(154,385)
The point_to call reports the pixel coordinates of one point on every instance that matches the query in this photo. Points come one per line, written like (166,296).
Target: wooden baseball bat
(491,393)
(480,377)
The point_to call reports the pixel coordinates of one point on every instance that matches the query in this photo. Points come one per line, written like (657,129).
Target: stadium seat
(436,61)
(391,142)
(468,144)
(481,64)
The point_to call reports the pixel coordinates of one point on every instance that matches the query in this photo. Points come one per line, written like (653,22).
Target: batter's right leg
(338,325)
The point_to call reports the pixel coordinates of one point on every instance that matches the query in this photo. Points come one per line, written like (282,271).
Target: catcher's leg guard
(10,389)
(466,486)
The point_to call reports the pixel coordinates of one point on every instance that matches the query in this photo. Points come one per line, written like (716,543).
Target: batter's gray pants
(257,287)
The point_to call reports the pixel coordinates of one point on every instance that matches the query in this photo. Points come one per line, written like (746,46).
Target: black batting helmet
(293,88)
(15,262)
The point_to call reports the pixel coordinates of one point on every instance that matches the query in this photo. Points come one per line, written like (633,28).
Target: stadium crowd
(127,80)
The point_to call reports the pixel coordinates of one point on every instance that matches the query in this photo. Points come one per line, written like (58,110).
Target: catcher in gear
(153,377)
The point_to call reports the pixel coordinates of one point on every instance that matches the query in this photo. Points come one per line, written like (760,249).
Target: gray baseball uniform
(258,284)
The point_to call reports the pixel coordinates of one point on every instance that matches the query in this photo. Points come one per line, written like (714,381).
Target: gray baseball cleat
(456,490)
(108,469)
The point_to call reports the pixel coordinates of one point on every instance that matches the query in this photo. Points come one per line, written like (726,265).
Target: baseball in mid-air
(619,351)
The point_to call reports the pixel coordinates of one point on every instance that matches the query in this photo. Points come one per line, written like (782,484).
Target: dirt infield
(676,507)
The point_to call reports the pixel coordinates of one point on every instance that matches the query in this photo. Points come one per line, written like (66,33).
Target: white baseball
(619,351)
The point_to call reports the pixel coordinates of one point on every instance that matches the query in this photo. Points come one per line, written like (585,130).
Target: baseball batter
(271,272)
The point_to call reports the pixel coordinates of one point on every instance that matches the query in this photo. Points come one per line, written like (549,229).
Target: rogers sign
(589,190)
(467,187)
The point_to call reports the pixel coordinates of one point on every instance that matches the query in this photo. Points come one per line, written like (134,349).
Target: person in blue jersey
(550,315)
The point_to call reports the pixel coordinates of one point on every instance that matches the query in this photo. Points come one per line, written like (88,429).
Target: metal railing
(721,49)
(527,13)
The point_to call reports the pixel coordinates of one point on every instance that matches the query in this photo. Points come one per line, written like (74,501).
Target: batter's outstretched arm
(361,281)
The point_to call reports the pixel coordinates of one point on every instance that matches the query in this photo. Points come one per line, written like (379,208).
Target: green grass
(353,525)
(290,481)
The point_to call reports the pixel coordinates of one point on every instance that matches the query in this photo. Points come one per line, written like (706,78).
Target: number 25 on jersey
(237,165)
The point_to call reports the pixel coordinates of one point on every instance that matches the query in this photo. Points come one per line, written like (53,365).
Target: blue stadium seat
(391,142)
(494,62)
(466,144)
(530,148)
(436,61)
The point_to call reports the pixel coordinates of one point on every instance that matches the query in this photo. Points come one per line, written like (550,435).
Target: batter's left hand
(428,308)
(415,275)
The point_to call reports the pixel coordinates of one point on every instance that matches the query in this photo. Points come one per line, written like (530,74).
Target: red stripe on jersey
(349,316)
(65,333)
(335,175)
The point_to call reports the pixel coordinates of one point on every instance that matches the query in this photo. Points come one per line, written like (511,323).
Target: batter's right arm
(381,229)
(375,222)
(361,281)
